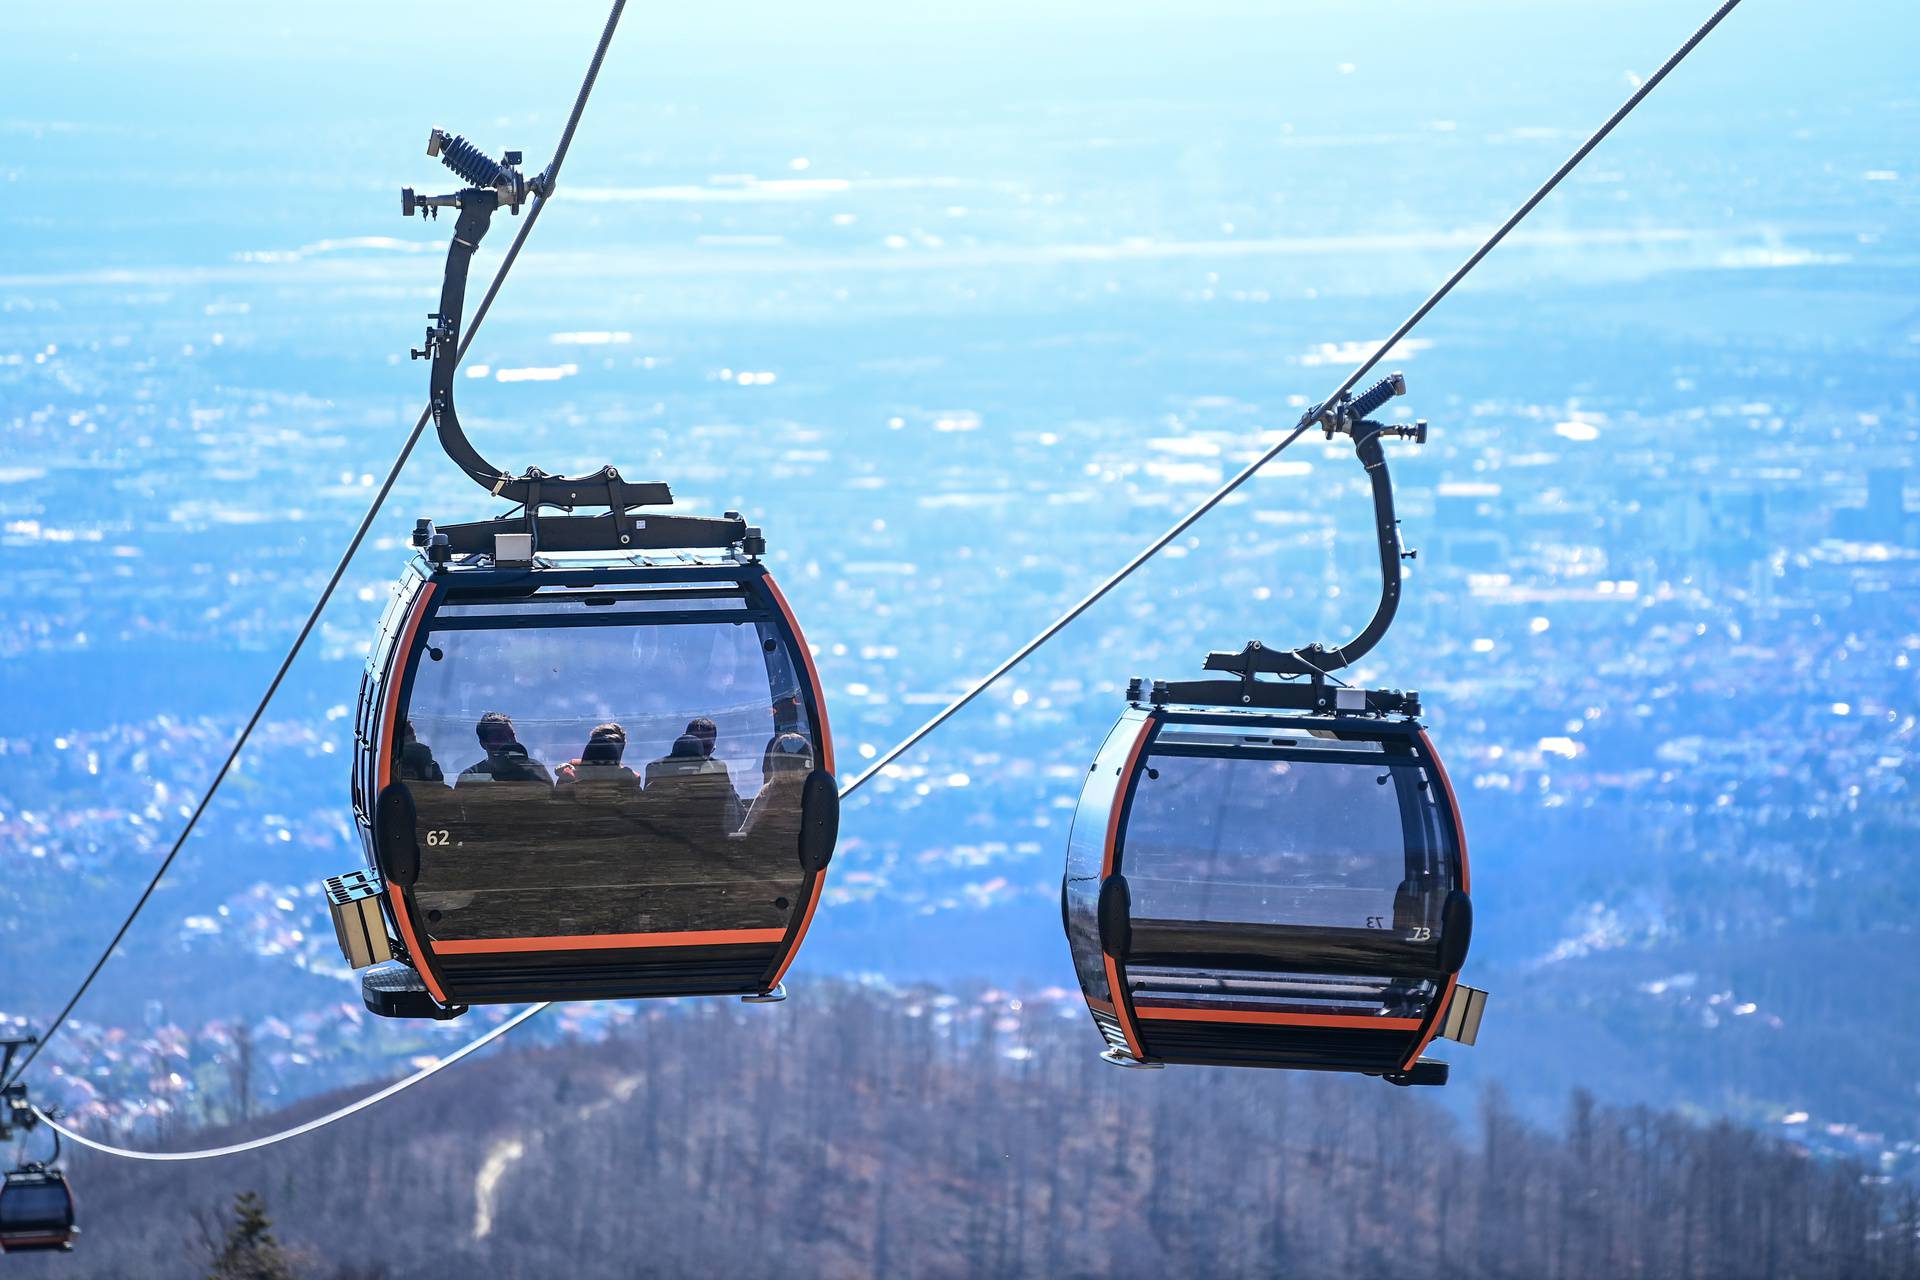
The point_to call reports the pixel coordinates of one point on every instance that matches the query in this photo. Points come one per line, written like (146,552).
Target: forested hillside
(855,1132)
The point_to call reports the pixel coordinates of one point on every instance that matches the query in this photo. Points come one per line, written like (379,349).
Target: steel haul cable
(1251,469)
(1020,655)
(318,1122)
(346,557)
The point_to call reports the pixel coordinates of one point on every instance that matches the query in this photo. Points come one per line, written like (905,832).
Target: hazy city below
(963,315)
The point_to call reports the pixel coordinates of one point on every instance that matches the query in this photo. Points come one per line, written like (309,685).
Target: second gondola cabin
(1268,890)
(1273,872)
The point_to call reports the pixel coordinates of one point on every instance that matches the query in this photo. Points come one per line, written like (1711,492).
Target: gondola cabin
(585,777)
(36,1211)
(1246,888)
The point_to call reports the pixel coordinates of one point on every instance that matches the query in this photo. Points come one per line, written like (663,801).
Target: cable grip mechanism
(480,171)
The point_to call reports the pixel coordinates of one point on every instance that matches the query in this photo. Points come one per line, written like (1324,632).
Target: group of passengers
(688,770)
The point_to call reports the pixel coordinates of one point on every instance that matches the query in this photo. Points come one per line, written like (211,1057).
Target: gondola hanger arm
(1348,416)
(494,185)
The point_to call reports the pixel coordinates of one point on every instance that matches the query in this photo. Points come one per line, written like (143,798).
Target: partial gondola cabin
(36,1212)
(1254,889)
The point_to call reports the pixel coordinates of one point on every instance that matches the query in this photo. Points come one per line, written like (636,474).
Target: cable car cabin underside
(1260,888)
(585,777)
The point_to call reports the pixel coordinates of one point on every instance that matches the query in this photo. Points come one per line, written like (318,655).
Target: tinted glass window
(1270,840)
(606,779)
(33,1205)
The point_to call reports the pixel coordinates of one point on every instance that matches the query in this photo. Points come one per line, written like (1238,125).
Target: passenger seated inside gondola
(690,796)
(786,720)
(598,773)
(506,759)
(708,734)
(776,810)
(416,758)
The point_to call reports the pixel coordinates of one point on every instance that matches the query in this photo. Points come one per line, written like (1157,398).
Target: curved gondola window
(1266,842)
(1285,859)
(604,778)
(34,1204)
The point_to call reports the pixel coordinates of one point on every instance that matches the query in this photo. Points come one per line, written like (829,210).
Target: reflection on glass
(621,779)
(1086,856)
(1274,841)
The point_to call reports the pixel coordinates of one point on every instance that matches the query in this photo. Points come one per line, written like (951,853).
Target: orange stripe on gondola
(1120,796)
(389,720)
(1179,1013)
(813,674)
(1439,1009)
(611,941)
(826,762)
(1432,1022)
(1121,1013)
(800,934)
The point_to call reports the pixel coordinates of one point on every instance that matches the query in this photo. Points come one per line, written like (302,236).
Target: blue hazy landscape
(963,306)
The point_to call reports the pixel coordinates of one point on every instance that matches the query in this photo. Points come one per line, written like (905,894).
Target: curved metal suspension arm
(491,185)
(605,488)
(443,339)
(1317,660)
(1386,531)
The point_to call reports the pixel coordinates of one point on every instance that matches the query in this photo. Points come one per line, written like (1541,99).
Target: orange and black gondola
(1273,873)
(1248,889)
(36,1211)
(592,756)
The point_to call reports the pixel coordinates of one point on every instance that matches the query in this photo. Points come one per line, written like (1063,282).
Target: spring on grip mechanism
(1338,415)
(469,161)
(1379,393)
(479,169)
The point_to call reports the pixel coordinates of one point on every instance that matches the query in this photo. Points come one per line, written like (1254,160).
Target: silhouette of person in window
(709,735)
(598,769)
(687,757)
(786,720)
(688,795)
(416,758)
(506,759)
(776,810)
